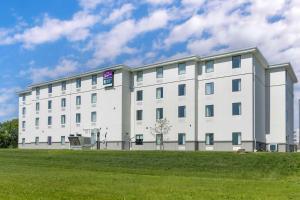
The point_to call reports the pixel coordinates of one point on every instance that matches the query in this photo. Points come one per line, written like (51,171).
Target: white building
(223,102)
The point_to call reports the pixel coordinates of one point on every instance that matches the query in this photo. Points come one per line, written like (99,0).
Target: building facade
(223,102)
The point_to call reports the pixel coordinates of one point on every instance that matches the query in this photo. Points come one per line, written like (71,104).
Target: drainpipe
(254,102)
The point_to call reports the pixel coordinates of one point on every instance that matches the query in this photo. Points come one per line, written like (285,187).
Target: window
(23,98)
(209,88)
(49,121)
(23,141)
(181,68)
(37,91)
(181,90)
(49,141)
(209,139)
(159,93)
(93,116)
(181,111)
(236,138)
(159,113)
(23,111)
(50,88)
(62,140)
(78,100)
(236,85)
(139,139)
(209,110)
(63,102)
(181,138)
(78,118)
(159,72)
(23,124)
(94,98)
(49,105)
(37,140)
(94,79)
(236,62)
(209,66)
(236,108)
(139,115)
(37,122)
(159,139)
(63,85)
(139,95)
(63,119)
(139,76)
(37,106)
(78,83)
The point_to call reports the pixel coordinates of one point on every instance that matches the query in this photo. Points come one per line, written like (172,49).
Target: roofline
(79,75)
(225,54)
(166,62)
(88,73)
(288,67)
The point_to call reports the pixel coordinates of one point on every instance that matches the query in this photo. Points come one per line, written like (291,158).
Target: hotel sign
(108,78)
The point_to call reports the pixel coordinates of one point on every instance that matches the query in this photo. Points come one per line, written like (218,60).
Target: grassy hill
(41,174)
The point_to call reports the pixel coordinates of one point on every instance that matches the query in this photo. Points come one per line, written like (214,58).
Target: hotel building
(224,102)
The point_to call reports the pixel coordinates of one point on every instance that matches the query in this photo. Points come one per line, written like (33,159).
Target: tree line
(9,134)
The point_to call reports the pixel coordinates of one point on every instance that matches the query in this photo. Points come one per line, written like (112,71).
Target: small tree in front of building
(160,130)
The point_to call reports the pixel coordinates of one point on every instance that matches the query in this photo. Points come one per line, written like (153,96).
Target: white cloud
(90,4)
(64,67)
(107,46)
(7,102)
(119,14)
(76,29)
(159,2)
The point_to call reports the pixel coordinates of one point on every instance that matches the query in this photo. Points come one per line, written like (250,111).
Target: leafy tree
(9,134)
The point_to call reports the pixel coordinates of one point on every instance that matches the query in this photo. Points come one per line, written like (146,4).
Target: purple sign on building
(108,77)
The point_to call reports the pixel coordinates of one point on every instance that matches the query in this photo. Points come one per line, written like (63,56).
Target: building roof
(286,66)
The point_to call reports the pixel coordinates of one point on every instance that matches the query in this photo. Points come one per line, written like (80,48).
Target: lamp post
(98,139)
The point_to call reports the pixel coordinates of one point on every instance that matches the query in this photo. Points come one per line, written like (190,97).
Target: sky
(44,40)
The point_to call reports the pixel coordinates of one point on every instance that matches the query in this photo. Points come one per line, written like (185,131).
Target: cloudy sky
(42,40)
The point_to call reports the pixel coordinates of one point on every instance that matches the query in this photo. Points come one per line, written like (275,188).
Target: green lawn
(56,174)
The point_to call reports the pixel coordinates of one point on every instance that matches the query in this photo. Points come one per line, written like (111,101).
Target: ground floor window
(37,140)
(181,138)
(209,139)
(23,141)
(139,139)
(236,138)
(49,141)
(159,139)
(93,138)
(63,140)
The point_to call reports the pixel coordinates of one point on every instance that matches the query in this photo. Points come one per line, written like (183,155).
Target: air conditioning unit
(273,147)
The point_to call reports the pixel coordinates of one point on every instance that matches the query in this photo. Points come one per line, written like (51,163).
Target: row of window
(49,140)
(209,111)
(209,67)
(62,120)
(160,92)
(63,103)
(64,85)
(236,109)
(209,139)
(209,89)
(160,113)
(139,139)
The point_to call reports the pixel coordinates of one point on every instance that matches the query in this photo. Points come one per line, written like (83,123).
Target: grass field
(41,174)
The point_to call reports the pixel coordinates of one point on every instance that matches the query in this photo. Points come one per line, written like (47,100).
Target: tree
(162,128)
(9,134)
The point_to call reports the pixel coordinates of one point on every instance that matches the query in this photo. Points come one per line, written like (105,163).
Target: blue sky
(42,40)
